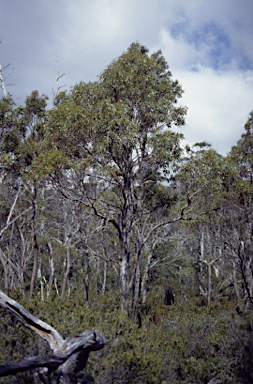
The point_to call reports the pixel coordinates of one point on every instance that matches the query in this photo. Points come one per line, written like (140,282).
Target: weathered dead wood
(70,356)
(50,362)
(216,380)
(43,329)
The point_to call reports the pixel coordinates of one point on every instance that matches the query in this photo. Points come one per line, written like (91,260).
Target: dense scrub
(183,343)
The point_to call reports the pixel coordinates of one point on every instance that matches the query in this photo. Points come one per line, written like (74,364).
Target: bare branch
(70,355)
(51,362)
(58,78)
(2,81)
(2,78)
(9,221)
(44,330)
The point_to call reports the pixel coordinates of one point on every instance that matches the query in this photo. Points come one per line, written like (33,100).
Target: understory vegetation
(182,343)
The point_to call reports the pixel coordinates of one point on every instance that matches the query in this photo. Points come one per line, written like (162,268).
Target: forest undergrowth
(181,343)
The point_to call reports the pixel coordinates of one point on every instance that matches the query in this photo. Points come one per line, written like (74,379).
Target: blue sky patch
(210,38)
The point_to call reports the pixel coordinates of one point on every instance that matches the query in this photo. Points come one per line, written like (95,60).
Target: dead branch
(70,356)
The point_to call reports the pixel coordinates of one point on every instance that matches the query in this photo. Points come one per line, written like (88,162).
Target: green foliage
(209,172)
(176,344)
(129,109)
(242,155)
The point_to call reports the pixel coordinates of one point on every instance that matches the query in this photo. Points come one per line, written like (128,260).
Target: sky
(207,44)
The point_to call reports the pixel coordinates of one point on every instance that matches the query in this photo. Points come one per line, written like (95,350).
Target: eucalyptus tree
(242,153)
(10,182)
(21,134)
(32,123)
(207,179)
(115,133)
(239,235)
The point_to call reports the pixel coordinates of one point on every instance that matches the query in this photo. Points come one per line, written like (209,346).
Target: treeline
(97,194)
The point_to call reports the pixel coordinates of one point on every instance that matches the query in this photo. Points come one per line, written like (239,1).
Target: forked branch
(69,357)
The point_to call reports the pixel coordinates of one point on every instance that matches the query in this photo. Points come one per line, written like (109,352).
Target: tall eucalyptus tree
(110,141)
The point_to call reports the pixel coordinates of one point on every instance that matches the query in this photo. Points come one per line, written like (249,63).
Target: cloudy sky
(207,44)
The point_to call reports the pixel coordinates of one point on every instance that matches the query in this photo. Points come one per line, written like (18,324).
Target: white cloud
(218,101)
(212,37)
(179,53)
(218,106)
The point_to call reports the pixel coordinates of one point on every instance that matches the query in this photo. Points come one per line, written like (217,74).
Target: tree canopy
(116,131)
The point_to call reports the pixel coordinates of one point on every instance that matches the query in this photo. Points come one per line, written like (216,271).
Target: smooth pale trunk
(105,276)
(124,277)
(35,239)
(68,261)
(6,272)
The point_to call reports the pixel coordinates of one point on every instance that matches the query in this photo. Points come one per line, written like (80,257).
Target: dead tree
(2,79)
(69,356)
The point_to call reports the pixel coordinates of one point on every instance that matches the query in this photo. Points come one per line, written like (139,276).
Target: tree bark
(105,276)
(35,239)
(145,278)
(2,81)
(124,277)
(6,271)
(68,265)
(22,265)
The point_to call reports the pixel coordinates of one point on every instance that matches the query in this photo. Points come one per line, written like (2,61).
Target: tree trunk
(6,271)
(51,265)
(145,278)
(125,227)
(2,82)
(68,265)
(105,276)
(35,240)
(124,277)
(209,265)
(87,279)
(236,286)
(209,284)
(96,276)
(124,270)
(199,265)
(22,265)
(137,290)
